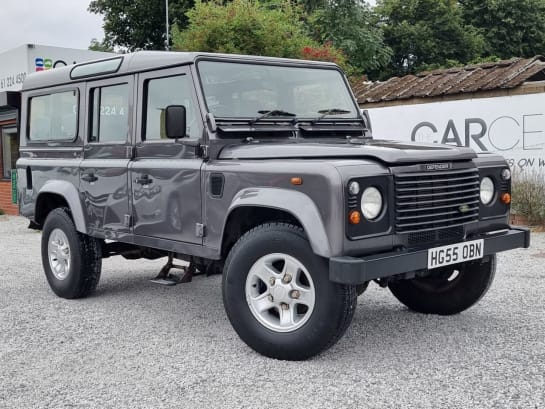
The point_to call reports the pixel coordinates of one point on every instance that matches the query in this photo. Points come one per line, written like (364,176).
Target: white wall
(17,63)
(513,126)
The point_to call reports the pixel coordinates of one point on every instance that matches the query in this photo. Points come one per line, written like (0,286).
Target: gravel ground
(135,344)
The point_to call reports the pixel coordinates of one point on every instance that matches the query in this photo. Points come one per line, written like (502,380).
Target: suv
(263,169)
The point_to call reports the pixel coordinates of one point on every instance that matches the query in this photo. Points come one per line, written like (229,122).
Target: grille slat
(436,200)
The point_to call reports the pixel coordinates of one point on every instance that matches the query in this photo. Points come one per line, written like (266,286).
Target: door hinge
(129,152)
(204,151)
(200,230)
(127,220)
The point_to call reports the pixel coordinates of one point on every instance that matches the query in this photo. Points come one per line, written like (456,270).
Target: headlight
(371,203)
(487,190)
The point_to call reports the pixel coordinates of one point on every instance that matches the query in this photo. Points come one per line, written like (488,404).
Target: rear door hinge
(127,220)
(200,230)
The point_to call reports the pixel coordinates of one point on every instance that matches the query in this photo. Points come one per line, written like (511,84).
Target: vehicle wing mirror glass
(175,119)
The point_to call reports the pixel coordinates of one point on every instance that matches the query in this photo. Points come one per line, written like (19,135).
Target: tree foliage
(426,33)
(510,29)
(349,26)
(138,24)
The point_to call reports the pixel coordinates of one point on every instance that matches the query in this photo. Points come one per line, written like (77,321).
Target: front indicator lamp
(371,203)
(487,190)
(354,217)
(506,198)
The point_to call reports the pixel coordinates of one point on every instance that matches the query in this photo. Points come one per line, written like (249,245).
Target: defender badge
(438,166)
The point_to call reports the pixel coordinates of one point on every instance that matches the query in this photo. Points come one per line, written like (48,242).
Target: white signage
(18,63)
(513,126)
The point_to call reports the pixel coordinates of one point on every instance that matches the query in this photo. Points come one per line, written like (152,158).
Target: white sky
(60,23)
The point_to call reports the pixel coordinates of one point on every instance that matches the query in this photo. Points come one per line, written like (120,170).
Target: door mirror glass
(175,118)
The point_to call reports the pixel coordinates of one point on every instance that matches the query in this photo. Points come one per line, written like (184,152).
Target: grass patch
(528,193)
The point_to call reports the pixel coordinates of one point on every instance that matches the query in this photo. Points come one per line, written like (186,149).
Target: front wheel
(448,290)
(278,296)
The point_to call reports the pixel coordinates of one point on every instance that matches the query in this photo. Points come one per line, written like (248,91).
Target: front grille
(423,238)
(430,201)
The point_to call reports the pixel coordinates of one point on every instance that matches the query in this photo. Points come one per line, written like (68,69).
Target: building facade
(15,66)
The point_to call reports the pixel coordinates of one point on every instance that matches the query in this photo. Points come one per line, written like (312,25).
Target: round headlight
(354,188)
(487,190)
(506,174)
(371,203)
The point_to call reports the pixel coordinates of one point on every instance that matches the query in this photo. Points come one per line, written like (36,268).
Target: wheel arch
(55,194)
(254,206)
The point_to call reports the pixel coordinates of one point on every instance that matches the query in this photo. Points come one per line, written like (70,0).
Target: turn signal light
(354,217)
(297,181)
(506,198)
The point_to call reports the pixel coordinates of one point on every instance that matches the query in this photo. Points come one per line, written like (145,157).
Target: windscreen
(241,90)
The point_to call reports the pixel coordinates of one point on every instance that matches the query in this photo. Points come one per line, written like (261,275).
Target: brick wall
(5,198)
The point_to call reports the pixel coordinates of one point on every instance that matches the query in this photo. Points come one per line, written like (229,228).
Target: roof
(469,79)
(149,60)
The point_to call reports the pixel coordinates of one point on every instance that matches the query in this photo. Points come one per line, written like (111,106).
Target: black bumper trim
(353,270)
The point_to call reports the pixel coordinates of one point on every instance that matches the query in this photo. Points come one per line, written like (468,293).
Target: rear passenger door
(107,152)
(166,173)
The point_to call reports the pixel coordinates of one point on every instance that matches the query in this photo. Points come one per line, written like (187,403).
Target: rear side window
(54,117)
(109,114)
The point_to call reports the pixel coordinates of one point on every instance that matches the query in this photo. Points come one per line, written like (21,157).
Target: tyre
(278,296)
(72,261)
(448,291)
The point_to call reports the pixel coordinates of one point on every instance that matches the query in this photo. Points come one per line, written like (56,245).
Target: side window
(109,113)
(53,117)
(162,92)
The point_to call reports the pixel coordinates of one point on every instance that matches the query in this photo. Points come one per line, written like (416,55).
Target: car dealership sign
(513,126)
(19,62)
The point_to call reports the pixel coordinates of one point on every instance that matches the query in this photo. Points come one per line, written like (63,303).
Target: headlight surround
(487,190)
(371,203)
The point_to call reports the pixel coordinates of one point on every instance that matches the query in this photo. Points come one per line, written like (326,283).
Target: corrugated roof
(471,78)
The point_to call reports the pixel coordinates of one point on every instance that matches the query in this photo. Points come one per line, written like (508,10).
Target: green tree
(425,34)
(96,45)
(251,27)
(349,25)
(138,24)
(511,29)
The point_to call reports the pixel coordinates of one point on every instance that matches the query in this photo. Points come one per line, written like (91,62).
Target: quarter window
(54,116)
(162,92)
(109,115)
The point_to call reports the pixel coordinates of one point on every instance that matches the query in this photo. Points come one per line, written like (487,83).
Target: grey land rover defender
(261,169)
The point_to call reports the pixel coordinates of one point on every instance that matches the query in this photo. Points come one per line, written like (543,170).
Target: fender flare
(69,192)
(298,204)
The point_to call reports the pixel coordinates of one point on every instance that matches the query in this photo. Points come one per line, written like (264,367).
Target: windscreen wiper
(271,113)
(330,111)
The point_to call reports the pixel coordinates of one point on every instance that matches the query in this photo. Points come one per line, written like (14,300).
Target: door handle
(89,177)
(144,180)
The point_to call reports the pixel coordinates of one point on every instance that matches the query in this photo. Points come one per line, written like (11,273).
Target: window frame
(29,116)
(4,129)
(91,86)
(143,80)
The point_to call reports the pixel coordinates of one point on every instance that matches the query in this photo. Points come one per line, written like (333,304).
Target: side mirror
(175,118)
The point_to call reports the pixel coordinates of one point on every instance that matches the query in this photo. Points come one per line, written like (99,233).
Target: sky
(61,23)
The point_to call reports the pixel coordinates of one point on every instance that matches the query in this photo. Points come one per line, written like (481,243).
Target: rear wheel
(72,261)
(278,296)
(449,290)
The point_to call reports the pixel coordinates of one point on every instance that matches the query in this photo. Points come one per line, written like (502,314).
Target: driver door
(165,175)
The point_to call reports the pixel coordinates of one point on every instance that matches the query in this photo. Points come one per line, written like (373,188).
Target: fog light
(354,217)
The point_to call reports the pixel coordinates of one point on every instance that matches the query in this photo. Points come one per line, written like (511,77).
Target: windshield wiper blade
(330,111)
(271,113)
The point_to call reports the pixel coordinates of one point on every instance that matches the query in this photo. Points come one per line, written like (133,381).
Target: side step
(166,278)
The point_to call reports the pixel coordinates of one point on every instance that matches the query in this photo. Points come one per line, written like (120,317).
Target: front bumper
(354,270)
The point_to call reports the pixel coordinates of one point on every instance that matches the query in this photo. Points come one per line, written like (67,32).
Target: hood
(391,152)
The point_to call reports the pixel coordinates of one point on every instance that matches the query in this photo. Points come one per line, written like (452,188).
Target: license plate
(455,253)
